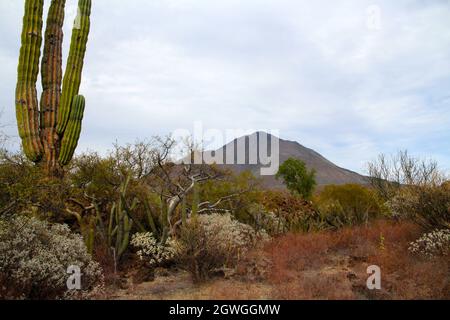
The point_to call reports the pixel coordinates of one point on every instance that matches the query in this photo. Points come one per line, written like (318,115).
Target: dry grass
(179,286)
(326,265)
(332,265)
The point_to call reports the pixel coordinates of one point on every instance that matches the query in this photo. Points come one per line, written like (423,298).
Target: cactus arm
(114,231)
(120,227)
(90,238)
(71,136)
(110,224)
(51,74)
(150,219)
(123,222)
(129,212)
(127,225)
(74,68)
(118,246)
(27,111)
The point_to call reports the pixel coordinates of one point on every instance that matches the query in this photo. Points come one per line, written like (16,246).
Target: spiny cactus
(74,68)
(73,130)
(26,95)
(50,132)
(120,222)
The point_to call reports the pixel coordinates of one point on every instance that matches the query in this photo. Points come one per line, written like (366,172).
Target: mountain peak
(326,171)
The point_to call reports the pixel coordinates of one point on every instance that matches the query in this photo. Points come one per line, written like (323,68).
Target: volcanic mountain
(326,171)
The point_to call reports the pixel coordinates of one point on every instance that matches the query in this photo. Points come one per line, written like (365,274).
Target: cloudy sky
(349,79)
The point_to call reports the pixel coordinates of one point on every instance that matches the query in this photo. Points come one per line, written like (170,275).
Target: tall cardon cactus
(50,131)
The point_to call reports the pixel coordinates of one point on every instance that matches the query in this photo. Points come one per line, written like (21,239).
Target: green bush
(239,191)
(349,204)
(25,186)
(297,178)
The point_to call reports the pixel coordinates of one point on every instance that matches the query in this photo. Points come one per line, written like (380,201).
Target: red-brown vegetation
(333,265)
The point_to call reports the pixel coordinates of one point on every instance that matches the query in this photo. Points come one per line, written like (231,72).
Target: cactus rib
(51,80)
(27,111)
(71,136)
(42,127)
(74,67)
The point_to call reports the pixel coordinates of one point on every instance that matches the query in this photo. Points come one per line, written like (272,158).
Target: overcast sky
(349,79)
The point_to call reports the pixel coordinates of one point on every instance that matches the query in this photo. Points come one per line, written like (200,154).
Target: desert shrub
(153,252)
(432,244)
(413,188)
(403,204)
(209,242)
(24,185)
(348,205)
(429,206)
(35,256)
(100,185)
(95,175)
(267,220)
(240,191)
(388,174)
(286,212)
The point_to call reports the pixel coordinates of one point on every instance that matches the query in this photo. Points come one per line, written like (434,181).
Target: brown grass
(332,265)
(325,265)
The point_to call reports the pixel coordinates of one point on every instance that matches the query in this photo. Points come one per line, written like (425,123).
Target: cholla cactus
(432,244)
(48,129)
(153,252)
(229,236)
(216,241)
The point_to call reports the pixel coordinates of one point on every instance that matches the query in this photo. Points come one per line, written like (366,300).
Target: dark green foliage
(25,187)
(297,178)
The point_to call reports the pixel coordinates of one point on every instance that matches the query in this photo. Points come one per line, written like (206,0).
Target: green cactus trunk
(74,68)
(27,110)
(42,129)
(72,133)
(51,82)
(120,222)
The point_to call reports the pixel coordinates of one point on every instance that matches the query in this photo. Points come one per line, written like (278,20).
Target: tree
(297,178)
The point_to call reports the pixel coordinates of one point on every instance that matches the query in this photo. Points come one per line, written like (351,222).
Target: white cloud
(313,70)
